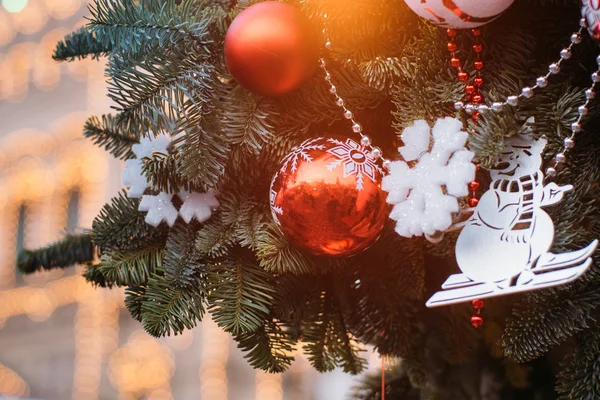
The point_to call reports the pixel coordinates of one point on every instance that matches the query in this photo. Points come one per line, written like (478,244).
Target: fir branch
(241,294)
(106,133)
(131,268)
(120,226)
(247,122)
(215,238)
(276,255)
(543,324)
(580,378)
(167,309)
(134,298)
(93,276)
(328,343)
(163,171)
(143,27)
(397,385)
(71,250)
(154,92)
(204,148)
(182,262)
(269,347)
(487,139)
(79,45)
(382,293)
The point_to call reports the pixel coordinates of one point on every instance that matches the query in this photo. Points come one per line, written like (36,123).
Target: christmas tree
(203,135)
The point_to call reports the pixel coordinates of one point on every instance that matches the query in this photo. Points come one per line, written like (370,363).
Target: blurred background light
(14,6)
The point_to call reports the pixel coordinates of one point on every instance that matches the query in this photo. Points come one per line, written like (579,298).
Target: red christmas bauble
(327,197)
(271,48)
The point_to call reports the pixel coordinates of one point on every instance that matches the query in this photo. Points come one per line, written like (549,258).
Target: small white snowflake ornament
(425,196)
(197,205)
(132,175)
(160,208)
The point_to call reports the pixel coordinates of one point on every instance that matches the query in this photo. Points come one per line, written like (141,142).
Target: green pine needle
(167,310)
(67,252)
(241,294)
(106,133)
(132,268)
(79,45)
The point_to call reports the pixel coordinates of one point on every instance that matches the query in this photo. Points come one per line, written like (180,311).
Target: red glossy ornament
(473,186)
(477,98)
(451,32)
(455,62)
(271,48)
(477,47)
(327,197)
(478,65)
(469,89)
(478,81)
(452,47)
(477,320)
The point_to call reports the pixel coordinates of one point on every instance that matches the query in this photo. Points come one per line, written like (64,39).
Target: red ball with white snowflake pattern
(327,198)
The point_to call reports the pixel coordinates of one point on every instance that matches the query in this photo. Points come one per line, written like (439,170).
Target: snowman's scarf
(525,186)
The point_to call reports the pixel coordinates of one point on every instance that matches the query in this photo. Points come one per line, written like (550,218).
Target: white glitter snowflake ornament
(160,208)
(425,196)
(197,205)
(132,175)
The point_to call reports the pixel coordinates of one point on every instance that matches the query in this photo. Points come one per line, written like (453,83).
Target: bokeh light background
(59,337)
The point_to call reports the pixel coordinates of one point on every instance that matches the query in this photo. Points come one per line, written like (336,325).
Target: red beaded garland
(477,320)
(473,93)
(477,304)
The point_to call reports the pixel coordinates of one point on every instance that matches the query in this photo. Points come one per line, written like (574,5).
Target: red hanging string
(382,378)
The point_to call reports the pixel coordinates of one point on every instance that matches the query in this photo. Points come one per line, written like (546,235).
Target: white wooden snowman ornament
(504,246)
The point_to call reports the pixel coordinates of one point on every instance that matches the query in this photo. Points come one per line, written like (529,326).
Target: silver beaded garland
(365,141)
(527,92)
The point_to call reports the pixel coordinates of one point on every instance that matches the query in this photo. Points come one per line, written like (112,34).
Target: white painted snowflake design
(275,210)
(425,196)
(301,151)
(355,161)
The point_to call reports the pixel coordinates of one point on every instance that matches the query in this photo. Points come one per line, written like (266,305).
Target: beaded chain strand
(365,141)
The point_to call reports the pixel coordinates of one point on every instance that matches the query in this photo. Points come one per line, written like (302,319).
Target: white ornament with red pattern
(590,10)
(459,14)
